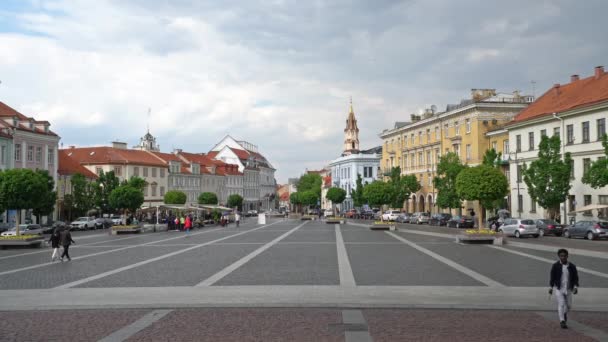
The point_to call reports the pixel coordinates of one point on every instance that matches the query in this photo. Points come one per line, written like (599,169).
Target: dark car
(590,230)
(103,222)
(549,227)
(460,222)
(440,219)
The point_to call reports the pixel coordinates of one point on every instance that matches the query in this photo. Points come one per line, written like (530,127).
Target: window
(153,189)
(457,127)
(420,159)
(570,134)
(586,165)
(468,125)
(162,190)
(413,139)
(495,146)
(601,128)
(531,141)
(543,132)
(572,170)
(505,148)
(3,155)
(532,206)
(586,132)
(153,173)
(17,152)
(468,151)
(430,180)
(520,203)
(437,155)
(405,165)
(428,158)
(98,170)
(51,156)
(136,171)
(420,137)
(518,173)
(457,149)
(30,153)
(146,191)
(571,203)
(518,143)
(437,132)
(38,154)
(428,135)
(447,130)
(603,213)
(587,200)
(556,132)
(162,173)
(117,170)
(145,172)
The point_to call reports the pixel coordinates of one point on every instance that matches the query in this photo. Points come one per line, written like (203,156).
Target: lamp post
(517,175)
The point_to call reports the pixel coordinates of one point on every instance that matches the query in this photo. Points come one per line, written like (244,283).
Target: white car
(29,229)
(84,223)
(519,228)
(391,215)
(116,220)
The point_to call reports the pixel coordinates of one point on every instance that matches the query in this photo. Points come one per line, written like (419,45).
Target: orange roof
(7,111)
(242,154)
(576,94)
(67,166)
(202,159)
(212,154)
(111,155)
(166,157)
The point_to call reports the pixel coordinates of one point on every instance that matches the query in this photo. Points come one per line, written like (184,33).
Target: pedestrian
(564,283)
(176,221)
(182,222)
(66,240)
(54,241)
(187,225)
(237,218)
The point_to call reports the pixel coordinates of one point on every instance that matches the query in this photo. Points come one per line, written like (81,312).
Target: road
(298,281)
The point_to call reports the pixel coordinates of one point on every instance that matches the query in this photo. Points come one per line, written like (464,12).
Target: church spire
(351,133)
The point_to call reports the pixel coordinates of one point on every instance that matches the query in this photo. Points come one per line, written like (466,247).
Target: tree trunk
(17,219)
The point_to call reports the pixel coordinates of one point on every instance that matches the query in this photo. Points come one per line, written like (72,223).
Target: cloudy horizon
(278,74)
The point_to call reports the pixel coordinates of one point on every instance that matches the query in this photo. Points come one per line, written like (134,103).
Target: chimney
(574,78)
(119,145)
(177,150)
(599,71)
(556,86)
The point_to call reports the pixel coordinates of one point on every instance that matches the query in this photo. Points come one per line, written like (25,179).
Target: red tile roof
(67,166)
(202,159)
(242,154)
(560,98)
(7,111)
(110,155)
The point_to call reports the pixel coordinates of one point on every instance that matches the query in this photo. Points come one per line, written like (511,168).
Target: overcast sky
(278,73)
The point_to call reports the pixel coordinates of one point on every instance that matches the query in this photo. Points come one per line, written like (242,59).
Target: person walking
(182,222)
(54,240)
(237,218)
(187,225)
(66,240)
(564,283)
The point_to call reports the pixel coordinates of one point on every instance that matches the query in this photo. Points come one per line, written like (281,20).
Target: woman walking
(54,241)
(66,240)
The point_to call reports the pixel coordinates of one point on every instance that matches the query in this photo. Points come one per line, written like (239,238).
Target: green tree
(492,158)
(105,184)
(126,198)
(597,175)
(21,189)
(294,199)
(235,200)
(310,182)
(136,182)
(336,196)
(447,170)
(207,198)
(401,187)
(309,198)
(482,183)
(378,193)
(357,194)
(45,201)
(175,197)
(83,194)
(548,177)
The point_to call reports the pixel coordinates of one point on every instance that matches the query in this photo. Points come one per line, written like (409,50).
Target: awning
(590,207)
(213,207)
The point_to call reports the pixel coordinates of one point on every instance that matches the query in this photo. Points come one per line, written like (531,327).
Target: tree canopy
(492,158)
(548,177)
(357,193)
(47,199)
(336,195)
(308,198)
(235,200)
(126,197)
(377,193)
(310,182)
(447,170)
(597,175)
(136,182)
(482,183)
(401,187)
(175,197)
(83,194)
(207,198)
(105,184)
(294,198)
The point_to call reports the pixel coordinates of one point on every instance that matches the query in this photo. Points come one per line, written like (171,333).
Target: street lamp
(517,180)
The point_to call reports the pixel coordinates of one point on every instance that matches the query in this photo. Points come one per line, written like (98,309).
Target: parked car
(367,214)
(590,230)
(83,223)
(252,213)
(403,218)
(440,219)
(390,215)
(414,217)
(4,226)
(116,220)
(378,215)
(51,228)
(460,222)
(103,222)
(352,213)
(422,218)
(519,228)
(34,229)
(549,227)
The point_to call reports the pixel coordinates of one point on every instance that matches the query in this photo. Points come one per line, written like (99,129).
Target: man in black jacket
(564,282)
(66,240)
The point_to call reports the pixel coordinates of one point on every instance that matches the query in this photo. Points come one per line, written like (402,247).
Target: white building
(577,113)
(353,162)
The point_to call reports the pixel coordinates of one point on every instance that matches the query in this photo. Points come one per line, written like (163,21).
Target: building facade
(416,146)
(576,112)
(68,167)
(182,176)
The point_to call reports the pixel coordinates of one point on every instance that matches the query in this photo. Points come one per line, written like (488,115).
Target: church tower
(351,133)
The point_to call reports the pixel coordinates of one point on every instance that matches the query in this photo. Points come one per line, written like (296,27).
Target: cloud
(278,74)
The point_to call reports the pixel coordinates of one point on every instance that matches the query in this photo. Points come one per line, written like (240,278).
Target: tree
(21,189)
(491,158)
(378,193)
(235,200)
(126,198)
(308,182)
(294,199)
(83,194)
(175,197)
(46,201)
(597,175)
(105,184)
(447,170)
(357,194)
(207,198)
(401,187)
(336,196)
(308,198)
(136,182)
(548,177)
(482,183)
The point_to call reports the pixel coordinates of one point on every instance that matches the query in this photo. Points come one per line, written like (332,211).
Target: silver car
(519,227)
(423,218)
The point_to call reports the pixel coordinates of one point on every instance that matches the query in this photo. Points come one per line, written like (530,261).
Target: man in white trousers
(563,283)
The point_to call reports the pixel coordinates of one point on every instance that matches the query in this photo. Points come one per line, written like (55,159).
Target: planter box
(335,221)
(479,239)
(382,227)
(307,218)
(134,229)
(31,242)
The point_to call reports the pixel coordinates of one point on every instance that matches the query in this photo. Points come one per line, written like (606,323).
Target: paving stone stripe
(345,270)
(145,262)
(355,318)
(553,249)
(135,327)
(550,261)
(576,326)
(231,268)
(469,272)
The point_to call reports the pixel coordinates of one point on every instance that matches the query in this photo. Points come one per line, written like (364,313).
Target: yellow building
(416,146)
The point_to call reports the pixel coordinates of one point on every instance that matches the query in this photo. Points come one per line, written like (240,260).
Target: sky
(280,73)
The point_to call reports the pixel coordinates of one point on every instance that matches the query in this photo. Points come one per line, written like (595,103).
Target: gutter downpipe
(565,221)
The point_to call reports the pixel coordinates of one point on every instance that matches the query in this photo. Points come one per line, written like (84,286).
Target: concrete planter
(480,239)
(31,242)
(126,230)
(382,227)
(308,218)
(335,221)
